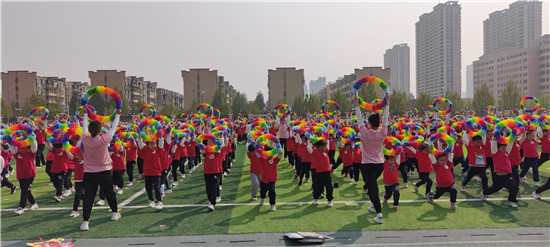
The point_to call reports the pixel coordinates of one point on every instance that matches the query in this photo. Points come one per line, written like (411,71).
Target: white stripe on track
(131,198)
(278,203)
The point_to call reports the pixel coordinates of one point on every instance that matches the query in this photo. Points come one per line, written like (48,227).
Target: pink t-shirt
(283,130)
(96,155)
(371,145)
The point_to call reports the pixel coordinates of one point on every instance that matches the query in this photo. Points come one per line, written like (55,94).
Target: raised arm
(494,146)
(114,125)
(13,149)
(84,125)
(161,142)
(412,149)
(432,158)
(465,139)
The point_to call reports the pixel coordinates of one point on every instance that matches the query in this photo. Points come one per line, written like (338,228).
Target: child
(531,157)
(305,158)
(5,181)
(255,171)
(476,160)
(79,189)
(323,176)
(391,179)
(544,136)
(503,173)
(131,156)
(152,169)
(403,169)
(458,156)
(26,172)
(165,161)
(175,161)
(212,171)
(40,133)
(424,167)
(59,169)
(444,177)
(190,148)
(119,168)
(269,177)
(346,156)
(356,166)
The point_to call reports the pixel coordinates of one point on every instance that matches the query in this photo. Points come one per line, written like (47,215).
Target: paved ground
(536,236)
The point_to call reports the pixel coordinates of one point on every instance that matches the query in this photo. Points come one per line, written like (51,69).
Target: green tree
(511,97)
(456,99)
(169,109)
(193,107)
(136,107)
(7,112)
(423,100)
(339,97)
(544,101)
(313,104)
(399,103)
(33,101)
(239,103)
(55,108)
(220,102)
(98,102)
(253,108)
(260,101)
(298,105)
(368,93)
(483,97)
(74,103)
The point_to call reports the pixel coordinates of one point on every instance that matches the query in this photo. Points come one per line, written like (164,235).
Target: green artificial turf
(257,219)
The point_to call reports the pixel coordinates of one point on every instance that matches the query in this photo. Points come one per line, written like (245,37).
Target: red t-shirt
(332,143)
(78,169)
(443,174)
(40,136)
(183,151)
(458,152)
(24,165)
(131,152)
(255,165)
(151,162)
(409,153)
(290,144)
(118,161)
(487,146)
(347,157)
(515,156)
(545,144)
(59,162)
(7,156)
(190,146)
(357,157)
(49,155)
(164,161)
(306,156)
(321,161)
(530,149)
(269,169)
(424,162)
(70,164)
(391,173)
(212,163)
(476,152)
(501,162)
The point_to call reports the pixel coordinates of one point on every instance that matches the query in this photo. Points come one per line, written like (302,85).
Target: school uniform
(268,178)
(390,177)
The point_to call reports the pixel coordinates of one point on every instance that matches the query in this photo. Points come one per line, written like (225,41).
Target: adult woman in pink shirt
(283,131)
(372,162)
(97,167)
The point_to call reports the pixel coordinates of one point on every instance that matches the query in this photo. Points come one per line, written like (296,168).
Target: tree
(313,104)
(98,102)
(544,101)
(55,108)
(193,107)
(456,99)
(399,103)
(7,111)
(239,103)
(260,101)
(136,107)
(368,93)
(33,101)
(483,97)
(511,97)
(169,109)
(220,102)
(252,108)
(74,103)
(299,105)
(339,97)
(423,100)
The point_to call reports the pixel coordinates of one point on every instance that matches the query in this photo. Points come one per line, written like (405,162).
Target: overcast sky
(240,40)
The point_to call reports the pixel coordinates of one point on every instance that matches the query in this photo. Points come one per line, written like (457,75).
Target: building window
(105,79)
(16,80)
(198,77)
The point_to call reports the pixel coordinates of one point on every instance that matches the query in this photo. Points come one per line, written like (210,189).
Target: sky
(242,40)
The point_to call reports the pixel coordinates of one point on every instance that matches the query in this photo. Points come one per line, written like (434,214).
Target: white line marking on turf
(457,242)
(278,203)
(131,198)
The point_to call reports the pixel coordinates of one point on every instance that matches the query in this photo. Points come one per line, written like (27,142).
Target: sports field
(185,210)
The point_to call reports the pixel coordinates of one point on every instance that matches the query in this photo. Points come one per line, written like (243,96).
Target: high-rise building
(227,89)
(284,85)
(316,85)
(438,53)
(18,86)
(398,60)
(135,88)
(515,27)
(469,93)
(165,96)
(199,85)
(528,67)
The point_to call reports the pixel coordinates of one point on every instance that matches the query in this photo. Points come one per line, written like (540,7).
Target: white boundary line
(493,242)
(256,204)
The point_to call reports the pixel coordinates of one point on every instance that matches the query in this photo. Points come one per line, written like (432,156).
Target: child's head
(347,146)
(477,140)
(442,159)
(501,147)
(530,135)
(57,147)
(389,159)
(433,130)
(374,121)
(79,156)
(321,146)
(24,150)
(151,145)
(5,146)
(210,142)
(303,137)
(424,147)
(251,148)
(41,124)
(545,132)
(94,128)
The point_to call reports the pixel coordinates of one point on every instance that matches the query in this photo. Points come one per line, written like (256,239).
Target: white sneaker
(168,191)
(66,193)
(483,196)
(406,185)
(182,175)
(74,214)
(159,206)
(365,191)
(72,189)
(225,174)
(120,191)
(378,219)
(151,204)
(84,226)
(19,211)
(367,196)
(307,180)
(115,216)
(218,199)
(477,178)
(372,209)
(49,183)
(253,198)
(262,201)
(453,205)
(220,187)
(513,204)
(100,202)
(174,183)
(57,198)
(210,207)
(115,187)
(522,179)
(315,202)
(351,180)
(272,208)
(129,184)
(330,204)
(535,195)
(462,188)
(536,184)
(356,182)
(341,175)
(191,171)
(34,206)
